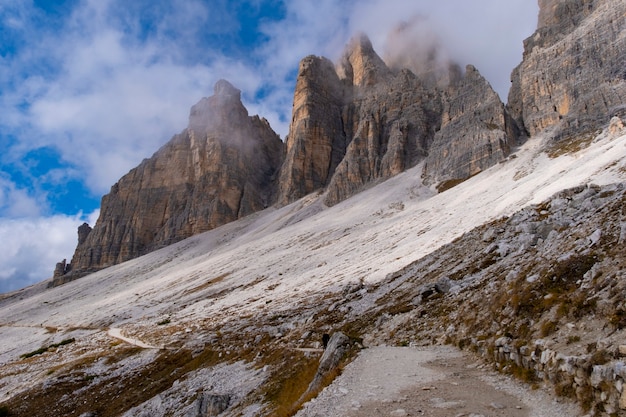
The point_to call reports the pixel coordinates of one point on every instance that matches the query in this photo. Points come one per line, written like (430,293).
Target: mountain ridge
(520,264)
(354,123)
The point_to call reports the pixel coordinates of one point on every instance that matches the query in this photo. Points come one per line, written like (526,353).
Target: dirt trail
(435,381)
(116,333)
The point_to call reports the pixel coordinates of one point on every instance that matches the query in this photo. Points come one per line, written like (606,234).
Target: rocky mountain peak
(573,78)
(360,65)
(222,167)
(476,131)
(356,122)
(220,112)
(367,123)
(225,89)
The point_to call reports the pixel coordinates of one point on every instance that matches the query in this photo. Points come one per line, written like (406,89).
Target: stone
(221,168)
(622,350)
(572,77)
(476,131)
(616,126)
(60,269)
(213,404)
(336,350)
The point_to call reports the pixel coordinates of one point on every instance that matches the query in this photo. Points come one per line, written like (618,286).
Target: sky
(89,88)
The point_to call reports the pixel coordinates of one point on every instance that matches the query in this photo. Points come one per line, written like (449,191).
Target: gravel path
(436,381)
(116,333)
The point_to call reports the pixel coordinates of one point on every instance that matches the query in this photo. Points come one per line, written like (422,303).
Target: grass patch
(554,287)
(523,374)
(47,348)
(109,398)
(570,145)
(207,284)
(34,353)
(547,328)
(446,185)
(291,383)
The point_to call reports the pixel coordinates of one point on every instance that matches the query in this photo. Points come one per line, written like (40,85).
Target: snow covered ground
(284,255)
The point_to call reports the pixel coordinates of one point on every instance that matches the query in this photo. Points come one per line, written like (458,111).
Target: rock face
(573,75)
(476,131)
(353,123)
(336,351)
(361,122)
(316,142)
(222,167)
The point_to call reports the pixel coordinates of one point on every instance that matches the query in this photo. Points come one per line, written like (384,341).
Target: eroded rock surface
(222,167)
(361,122)
(573,75)
(476,131)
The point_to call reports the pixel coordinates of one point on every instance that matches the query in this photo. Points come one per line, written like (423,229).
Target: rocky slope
(521,264)
(574,72)
(221,168)
(238,312)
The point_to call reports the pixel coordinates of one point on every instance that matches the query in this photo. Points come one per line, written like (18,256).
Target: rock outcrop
(573,75)
(353,124)
(316,141)
(361,122)
(222,167)
(476,131)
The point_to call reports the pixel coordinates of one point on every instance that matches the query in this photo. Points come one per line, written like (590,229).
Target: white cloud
(16,202)
(33,246)
(486,33)
(119,94)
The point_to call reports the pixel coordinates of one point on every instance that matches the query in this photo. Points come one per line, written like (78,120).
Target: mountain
(501,235)
(222,167)
(573,73)
(354,124)
(360,122)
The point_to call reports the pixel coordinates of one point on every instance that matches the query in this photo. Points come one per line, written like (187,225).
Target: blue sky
(88,88)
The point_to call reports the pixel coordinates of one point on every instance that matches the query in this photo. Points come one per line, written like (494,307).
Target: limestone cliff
(363,122)
(222,167)
(316,141)
(476,131)
(573,74)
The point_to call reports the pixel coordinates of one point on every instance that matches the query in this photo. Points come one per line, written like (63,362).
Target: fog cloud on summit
(105,83)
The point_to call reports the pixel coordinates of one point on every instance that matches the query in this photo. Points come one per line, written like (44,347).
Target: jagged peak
(223,88)
(360,43)
(223,107)
(360,65)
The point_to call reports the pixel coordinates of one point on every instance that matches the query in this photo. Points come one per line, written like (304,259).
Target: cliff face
(476,131)
(357,122)
(222,167)
(384,122)
(316,141)
(353,123)
(573,75)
